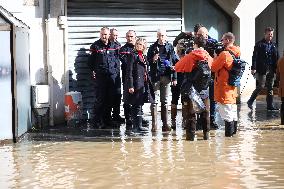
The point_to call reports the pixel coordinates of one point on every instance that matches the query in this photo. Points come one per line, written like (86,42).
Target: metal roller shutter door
(86,17)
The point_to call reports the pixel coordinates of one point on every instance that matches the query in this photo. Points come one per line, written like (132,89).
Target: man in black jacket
(125,50)
(264,59)
(105,65)
(117,96)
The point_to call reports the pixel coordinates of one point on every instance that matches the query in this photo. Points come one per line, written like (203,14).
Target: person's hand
(131,90)
(253,72)
(155,58)
(174,83)
(215,54)
(94,74)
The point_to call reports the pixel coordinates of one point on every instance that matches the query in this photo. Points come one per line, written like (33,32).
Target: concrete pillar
(244,13)
(247,15)
(56,59)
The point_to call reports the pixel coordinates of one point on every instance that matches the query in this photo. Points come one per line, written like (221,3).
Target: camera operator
(212,46)
(185,41)
(184,44)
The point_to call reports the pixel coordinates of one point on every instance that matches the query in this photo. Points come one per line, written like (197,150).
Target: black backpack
(236,73)
(201,75)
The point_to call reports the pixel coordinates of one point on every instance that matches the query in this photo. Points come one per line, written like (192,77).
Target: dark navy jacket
(104,59)
(124,53)
(158,69)
(261,57)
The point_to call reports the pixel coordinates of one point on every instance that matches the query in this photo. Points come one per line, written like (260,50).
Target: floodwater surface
(251,159)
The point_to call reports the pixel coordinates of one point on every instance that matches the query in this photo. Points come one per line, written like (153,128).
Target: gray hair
(161,31)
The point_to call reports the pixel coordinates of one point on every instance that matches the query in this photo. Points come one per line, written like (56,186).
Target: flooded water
(251,159)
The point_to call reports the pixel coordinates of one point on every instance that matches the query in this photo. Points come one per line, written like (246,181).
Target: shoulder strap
(232,54)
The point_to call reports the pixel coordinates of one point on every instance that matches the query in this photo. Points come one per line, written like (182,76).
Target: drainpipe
(47,58)
(65,34)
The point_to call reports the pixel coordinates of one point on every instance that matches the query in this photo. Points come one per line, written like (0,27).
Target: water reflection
(245,161)
(251,159)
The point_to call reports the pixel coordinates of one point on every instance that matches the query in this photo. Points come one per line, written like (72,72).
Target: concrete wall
(33,17)
(46,47)
(268,18)
(207,13)
(47,37)
(281,27)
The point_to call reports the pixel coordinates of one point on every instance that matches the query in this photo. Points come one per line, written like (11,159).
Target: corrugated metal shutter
(86,17)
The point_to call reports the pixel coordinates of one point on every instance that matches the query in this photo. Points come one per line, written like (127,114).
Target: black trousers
(105,88)
(262,81)
(176,89)
(203,116)
(212,102)
(116,97)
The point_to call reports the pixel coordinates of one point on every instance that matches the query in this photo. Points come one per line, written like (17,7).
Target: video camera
(185,46)
(214,46)
(184,43)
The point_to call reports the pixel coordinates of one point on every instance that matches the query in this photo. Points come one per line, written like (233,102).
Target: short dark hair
(113,29)
(200,41)
(268,29)
(104,28)
(230,36)
(196,27)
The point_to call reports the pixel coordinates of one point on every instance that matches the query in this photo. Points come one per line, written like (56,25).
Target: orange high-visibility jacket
(188,62)
(223,92)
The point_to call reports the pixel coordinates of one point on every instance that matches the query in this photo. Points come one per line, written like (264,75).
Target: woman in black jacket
(138,84)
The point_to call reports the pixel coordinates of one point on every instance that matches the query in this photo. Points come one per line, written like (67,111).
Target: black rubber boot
(205,127)
(127,111)
(198,122)
(164,117)
(270,106)
(136,115)
(145,122)
(184,112)
(173,116)
(213,124)
(190,130)
(153,108)
(252,99)
(229,128)
(282,111)
(235,127)
(127,115)
(116,110)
